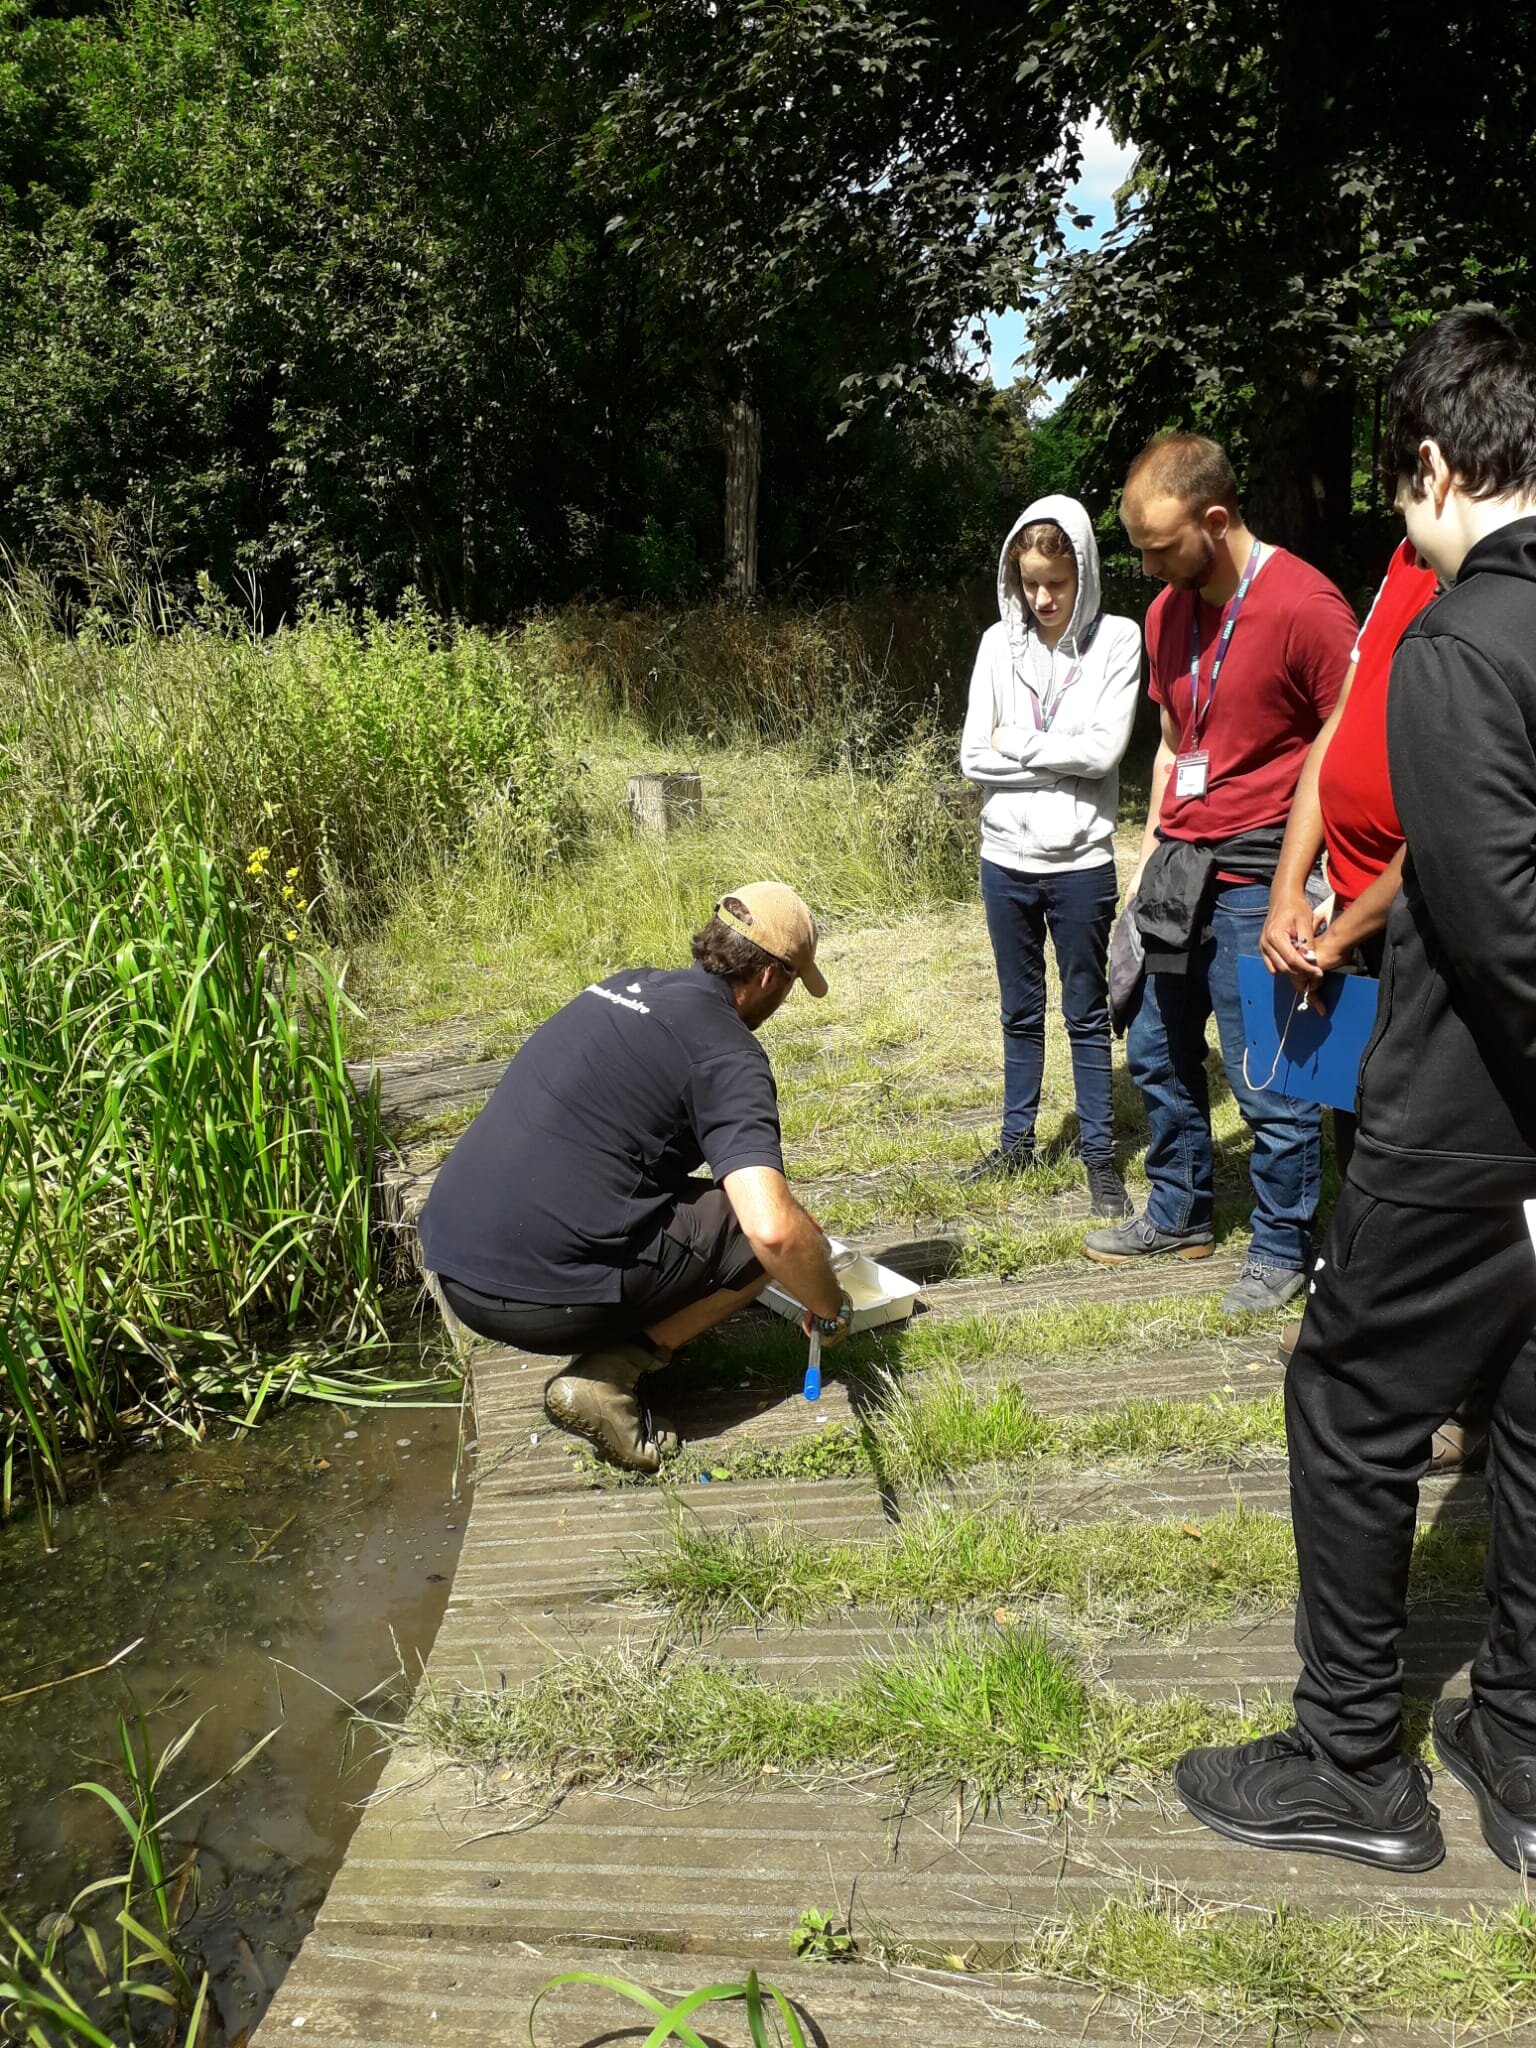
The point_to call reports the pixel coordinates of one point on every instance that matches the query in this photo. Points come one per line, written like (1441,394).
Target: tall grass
(852,678)
(184,1169)
(474,930)
(351,751)
(199,817)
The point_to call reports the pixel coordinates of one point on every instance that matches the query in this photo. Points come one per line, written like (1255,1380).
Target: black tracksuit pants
(1411,1310)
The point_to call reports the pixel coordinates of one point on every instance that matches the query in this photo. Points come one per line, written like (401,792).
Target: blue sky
(1105,166)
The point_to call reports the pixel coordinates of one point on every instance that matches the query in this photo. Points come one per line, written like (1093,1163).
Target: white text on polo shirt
(624,1002)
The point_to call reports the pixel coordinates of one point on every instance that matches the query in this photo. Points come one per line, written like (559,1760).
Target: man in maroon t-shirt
(1248,647)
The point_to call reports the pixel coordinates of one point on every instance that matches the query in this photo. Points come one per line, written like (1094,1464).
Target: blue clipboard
(1321,1059)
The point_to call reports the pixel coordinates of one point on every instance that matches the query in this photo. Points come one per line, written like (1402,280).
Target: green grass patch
(944,1426)
(1163,1577)
(947,1425)
(469,925)
(999,1710)
(1170,1959)
(1054,1334)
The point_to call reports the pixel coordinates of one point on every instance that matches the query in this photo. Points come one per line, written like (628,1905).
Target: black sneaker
(1001,1164)
(1106,1190)
(1505,1789)
(1280,1793)
(1141,1239)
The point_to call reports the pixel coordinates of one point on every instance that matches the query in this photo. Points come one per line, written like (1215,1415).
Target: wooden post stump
(658,802)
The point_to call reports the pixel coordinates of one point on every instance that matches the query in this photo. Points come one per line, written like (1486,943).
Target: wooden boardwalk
(451,1908)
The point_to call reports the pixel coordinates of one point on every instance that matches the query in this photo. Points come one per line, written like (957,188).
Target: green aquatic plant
(185,1169)
(41,1996)
(765,2004)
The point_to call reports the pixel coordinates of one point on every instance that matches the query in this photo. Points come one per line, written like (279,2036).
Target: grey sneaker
(1260,1288)
(1141,1239)
(1106,1190)
(595,1397)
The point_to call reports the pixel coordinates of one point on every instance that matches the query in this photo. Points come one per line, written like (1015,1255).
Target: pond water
(274,1578)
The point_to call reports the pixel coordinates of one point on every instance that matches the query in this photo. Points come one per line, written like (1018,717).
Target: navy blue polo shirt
(570,1172)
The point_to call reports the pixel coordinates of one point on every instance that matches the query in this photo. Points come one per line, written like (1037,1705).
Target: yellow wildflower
(290,933)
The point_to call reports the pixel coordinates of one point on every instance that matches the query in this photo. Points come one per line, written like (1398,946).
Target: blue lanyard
(1198,712)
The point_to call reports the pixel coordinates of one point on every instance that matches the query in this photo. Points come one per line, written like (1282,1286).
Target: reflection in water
(324,1541)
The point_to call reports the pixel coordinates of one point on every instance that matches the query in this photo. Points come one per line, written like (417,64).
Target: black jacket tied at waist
(1175,886)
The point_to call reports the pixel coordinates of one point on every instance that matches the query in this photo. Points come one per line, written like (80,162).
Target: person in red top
(1248,647)
(1344,803)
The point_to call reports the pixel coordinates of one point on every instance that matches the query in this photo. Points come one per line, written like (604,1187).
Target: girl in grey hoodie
(1053,697)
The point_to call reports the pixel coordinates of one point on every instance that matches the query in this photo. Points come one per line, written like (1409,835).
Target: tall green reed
(185,1171)
(71,1989)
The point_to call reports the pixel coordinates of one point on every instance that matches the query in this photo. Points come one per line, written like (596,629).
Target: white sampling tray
(878,1295)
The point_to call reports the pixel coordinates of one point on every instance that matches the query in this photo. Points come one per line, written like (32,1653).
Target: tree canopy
(344,296)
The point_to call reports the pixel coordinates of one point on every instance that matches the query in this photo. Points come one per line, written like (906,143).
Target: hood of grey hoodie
(1016,615)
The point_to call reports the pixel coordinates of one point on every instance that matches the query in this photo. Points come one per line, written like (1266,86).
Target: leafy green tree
(1311,179)
(863,171)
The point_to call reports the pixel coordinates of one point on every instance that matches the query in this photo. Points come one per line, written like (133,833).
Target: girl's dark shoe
(1106,1190)
(1504,1786)
(1001,1164)
(1281,1793)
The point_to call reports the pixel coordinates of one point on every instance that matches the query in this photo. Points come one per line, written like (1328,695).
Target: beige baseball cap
(773,917)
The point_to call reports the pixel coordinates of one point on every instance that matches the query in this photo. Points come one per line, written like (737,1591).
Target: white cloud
(1105,167)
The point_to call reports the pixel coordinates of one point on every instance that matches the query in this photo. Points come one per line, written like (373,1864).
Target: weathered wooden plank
(434,1924)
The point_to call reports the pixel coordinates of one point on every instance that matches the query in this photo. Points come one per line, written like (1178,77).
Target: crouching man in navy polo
(567,1218)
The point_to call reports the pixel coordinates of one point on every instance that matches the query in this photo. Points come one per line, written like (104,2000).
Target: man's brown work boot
(595,1398)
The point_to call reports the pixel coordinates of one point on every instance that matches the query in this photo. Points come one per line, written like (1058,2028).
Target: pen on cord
(813,1369)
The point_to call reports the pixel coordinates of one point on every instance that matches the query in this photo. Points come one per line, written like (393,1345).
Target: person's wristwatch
(830,1325)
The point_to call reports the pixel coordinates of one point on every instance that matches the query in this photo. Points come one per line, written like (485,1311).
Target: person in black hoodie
(1426,1288)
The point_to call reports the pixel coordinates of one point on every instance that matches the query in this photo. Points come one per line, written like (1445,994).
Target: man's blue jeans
(1079,909)
(1165,1050)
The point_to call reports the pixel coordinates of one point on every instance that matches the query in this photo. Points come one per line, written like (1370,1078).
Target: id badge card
(1191,773)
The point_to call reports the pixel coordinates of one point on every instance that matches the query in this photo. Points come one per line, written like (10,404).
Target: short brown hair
(1188,467)
(719,950)
(1042,537)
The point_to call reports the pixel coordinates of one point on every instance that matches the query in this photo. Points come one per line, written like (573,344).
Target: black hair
(1469,385)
